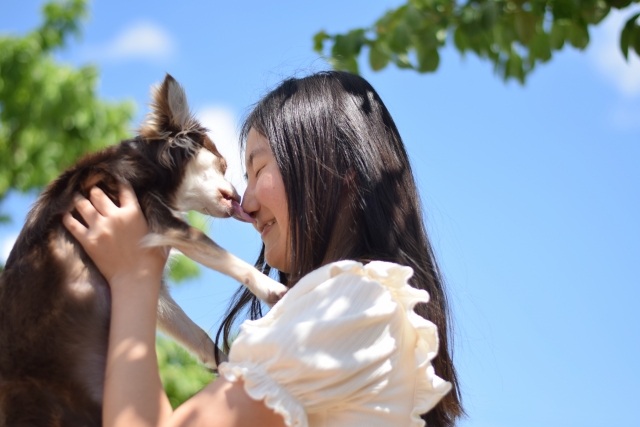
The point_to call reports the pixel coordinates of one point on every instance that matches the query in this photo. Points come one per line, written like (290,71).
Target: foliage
(181,374)
(514,35)
(50,113)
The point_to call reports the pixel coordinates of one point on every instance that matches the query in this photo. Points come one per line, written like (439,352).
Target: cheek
(267,191)
(270,193)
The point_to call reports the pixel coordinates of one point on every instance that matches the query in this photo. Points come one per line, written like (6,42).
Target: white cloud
(223,131)
(607,57)
(5,247)
(143,40)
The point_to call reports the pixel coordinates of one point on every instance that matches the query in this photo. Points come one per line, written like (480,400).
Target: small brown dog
(54,303)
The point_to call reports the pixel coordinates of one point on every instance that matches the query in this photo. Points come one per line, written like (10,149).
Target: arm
(133,394)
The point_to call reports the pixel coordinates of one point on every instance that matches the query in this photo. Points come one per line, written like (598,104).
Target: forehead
(257,145)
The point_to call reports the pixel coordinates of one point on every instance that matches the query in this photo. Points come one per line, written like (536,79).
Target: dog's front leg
(168,230)
(173,321)
(200,248)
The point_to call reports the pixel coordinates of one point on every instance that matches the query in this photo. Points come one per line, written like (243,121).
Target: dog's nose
(230,194)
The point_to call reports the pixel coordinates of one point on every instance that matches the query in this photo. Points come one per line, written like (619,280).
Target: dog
(54,303)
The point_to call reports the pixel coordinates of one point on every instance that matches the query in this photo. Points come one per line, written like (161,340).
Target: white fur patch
(203,186)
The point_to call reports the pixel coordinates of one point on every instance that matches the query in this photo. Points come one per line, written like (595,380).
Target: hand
(112,237)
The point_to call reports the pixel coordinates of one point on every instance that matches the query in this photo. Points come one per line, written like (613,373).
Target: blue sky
(531,194)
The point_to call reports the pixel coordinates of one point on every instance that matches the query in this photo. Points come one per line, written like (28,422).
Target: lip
(266,228)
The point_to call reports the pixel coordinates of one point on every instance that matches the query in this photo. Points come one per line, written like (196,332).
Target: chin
(274,263)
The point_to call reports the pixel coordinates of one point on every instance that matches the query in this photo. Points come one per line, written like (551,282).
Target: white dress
(342,348)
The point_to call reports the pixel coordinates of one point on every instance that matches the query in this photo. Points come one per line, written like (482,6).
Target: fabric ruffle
(260,386)
(429,388)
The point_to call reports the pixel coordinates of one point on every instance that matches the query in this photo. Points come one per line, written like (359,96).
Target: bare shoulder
(224,404)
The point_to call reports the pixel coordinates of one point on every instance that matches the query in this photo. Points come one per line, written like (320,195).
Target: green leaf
(489,12)
(540,47)
(347,46)
(460,40)
(619,4)
(514,67)
(636,43)
(402,61)
(413,17)
(182,268)
(318,41)
(428,60)
(347,64)
(340,47)
(426,39)
(626,35)
(377,57)
(400,38)
(558,34)
(525,24)
(579,35)
(596,13)
(62,18)
(343,55)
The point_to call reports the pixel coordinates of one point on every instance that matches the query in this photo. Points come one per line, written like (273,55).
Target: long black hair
(351,195)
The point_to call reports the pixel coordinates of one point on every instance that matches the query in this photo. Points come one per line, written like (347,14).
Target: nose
(249,203)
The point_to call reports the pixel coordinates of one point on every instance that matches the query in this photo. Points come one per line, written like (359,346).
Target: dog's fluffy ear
(169,111)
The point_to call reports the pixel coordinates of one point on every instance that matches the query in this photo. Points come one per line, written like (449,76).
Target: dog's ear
(169,111)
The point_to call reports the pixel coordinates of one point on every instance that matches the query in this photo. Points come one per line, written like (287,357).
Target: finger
(127,195)
(86,210)
(74,226)
(101,201)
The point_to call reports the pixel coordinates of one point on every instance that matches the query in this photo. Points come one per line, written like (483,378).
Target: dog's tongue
(239,213)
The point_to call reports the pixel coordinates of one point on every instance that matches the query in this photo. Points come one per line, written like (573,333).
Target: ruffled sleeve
(335,340)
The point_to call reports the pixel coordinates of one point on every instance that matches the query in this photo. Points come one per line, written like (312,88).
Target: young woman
(352,343)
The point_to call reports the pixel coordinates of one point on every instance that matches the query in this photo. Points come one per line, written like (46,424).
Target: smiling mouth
(266,227)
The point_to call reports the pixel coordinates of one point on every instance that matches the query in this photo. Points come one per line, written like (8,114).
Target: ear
(169,111)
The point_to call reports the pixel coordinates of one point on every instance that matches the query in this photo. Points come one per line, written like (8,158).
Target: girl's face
(265,200)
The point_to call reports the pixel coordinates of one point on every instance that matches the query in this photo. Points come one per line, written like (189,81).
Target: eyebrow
(257,152)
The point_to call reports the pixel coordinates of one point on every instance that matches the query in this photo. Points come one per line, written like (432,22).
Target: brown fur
(54,303)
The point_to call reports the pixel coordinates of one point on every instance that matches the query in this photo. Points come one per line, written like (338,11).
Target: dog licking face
(203,187)
(54,303)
